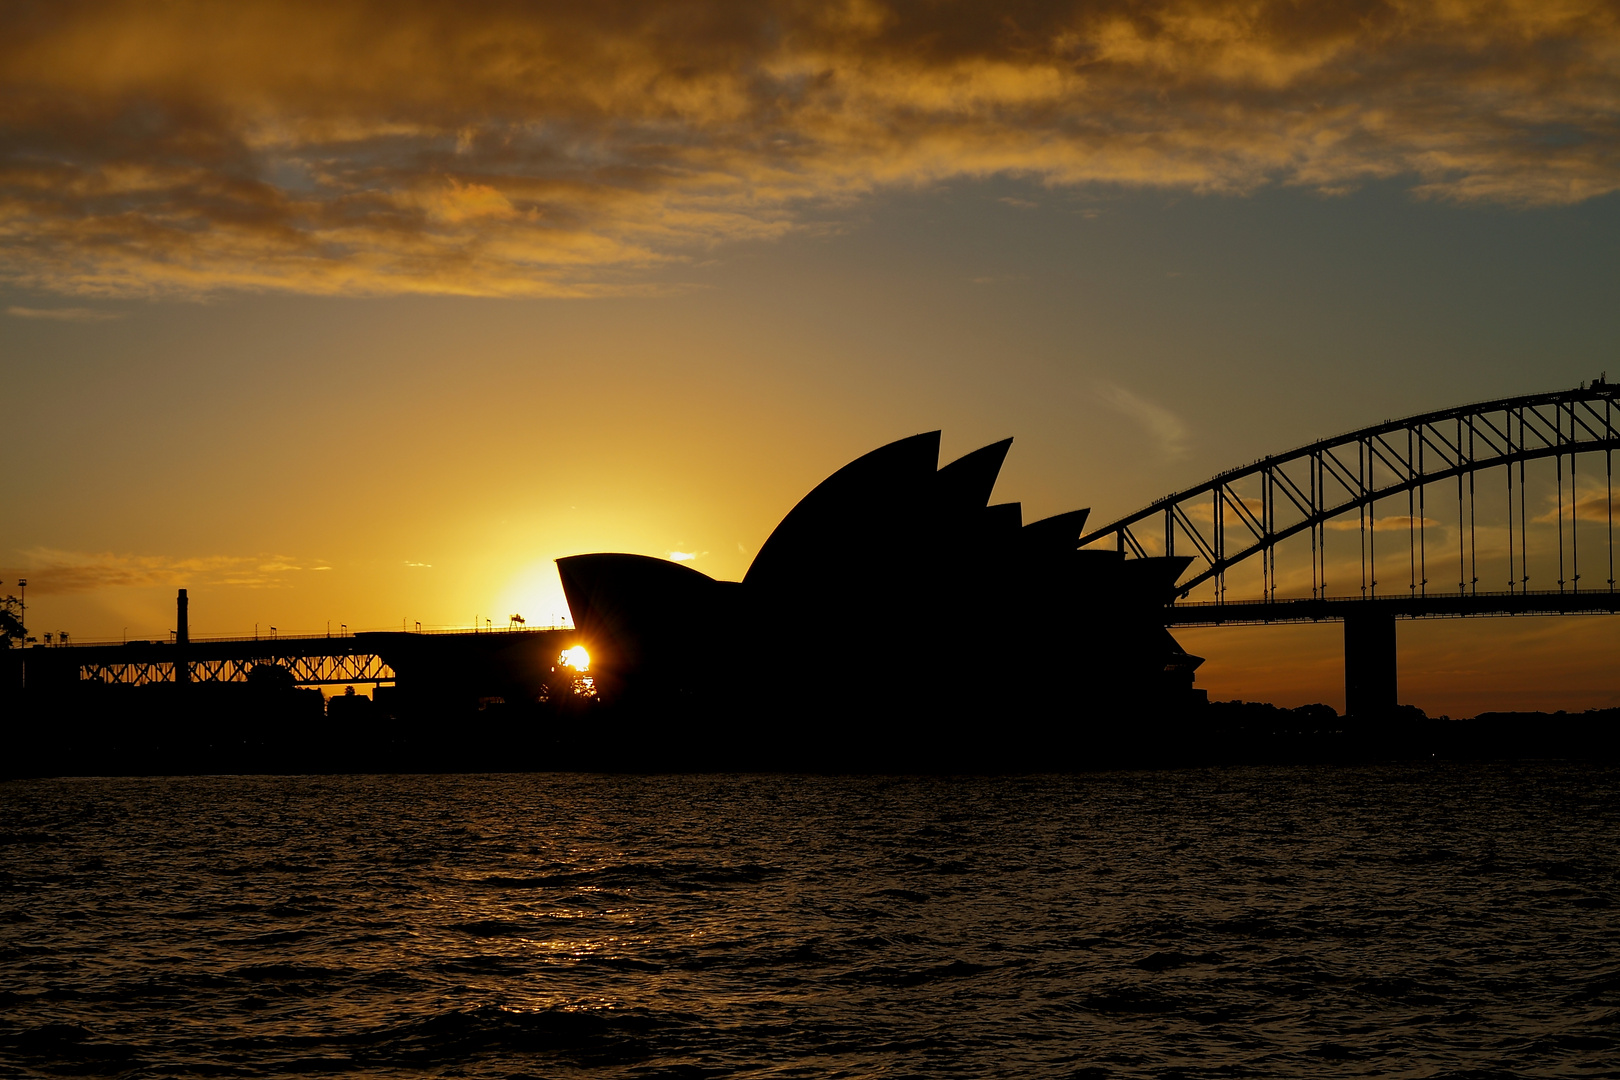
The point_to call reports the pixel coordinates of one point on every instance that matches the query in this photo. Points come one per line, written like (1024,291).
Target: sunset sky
(365,313)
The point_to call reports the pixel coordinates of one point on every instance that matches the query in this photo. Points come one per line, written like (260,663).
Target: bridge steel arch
(1302,490)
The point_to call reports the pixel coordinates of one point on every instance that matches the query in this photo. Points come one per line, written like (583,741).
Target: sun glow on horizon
(576,658)
(535,590)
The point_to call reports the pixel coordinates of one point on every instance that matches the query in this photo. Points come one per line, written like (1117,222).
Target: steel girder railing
(306,670)
(133,673)
(1302,490)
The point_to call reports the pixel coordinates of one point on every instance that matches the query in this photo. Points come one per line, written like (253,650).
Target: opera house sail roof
(893,580)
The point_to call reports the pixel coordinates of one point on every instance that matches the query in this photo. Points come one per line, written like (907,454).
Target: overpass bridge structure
(312,661)
(517,664)
(1401,520)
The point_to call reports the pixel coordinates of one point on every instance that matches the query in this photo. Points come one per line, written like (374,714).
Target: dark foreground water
(1460,921)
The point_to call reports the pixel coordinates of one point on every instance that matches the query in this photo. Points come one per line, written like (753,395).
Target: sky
(362,314)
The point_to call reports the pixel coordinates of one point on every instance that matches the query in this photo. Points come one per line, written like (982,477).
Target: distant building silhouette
(893,587)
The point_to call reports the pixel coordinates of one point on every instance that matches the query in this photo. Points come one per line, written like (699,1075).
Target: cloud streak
(1164,426)
(53,572)
(66,314)
(1591,508)
(574,149)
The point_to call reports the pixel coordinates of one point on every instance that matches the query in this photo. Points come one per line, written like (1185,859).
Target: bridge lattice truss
(306,670)
(1246,512)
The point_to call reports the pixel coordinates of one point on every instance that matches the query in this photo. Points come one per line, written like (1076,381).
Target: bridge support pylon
(1369,664)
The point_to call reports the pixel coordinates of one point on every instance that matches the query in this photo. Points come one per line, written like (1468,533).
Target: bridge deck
(312,661)
(1432,606)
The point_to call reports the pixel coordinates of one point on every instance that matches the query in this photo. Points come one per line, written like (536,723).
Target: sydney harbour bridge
(1480,510)
(1497,508)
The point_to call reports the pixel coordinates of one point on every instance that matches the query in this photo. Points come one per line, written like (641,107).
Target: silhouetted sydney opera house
(894,589)
(893,619)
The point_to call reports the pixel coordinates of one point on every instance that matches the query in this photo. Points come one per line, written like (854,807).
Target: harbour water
(1459,920)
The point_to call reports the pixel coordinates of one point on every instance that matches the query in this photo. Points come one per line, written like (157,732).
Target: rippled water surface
(1456,921)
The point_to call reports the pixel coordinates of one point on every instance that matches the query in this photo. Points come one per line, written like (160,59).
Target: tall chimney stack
(182,638)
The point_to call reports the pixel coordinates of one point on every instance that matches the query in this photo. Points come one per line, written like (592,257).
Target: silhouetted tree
(11,627)
(271,677)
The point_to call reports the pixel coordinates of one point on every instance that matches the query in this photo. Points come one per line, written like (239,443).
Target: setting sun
(576,658)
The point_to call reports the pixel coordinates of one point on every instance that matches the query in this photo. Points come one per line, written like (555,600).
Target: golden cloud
(1390,523)
(64,314)
(1591,508)
(52,572)
(567,148)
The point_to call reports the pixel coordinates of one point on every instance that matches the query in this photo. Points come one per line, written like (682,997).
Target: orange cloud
(1591,508)
(569,148)
(1385,523)
(64,314)
(51,572)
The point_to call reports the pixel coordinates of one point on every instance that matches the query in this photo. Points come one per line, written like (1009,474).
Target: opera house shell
(893,601)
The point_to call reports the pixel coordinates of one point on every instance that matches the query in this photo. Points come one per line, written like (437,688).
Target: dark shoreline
(295,733)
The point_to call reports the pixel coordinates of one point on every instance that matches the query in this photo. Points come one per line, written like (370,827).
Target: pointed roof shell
(966,483)
(854,510)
